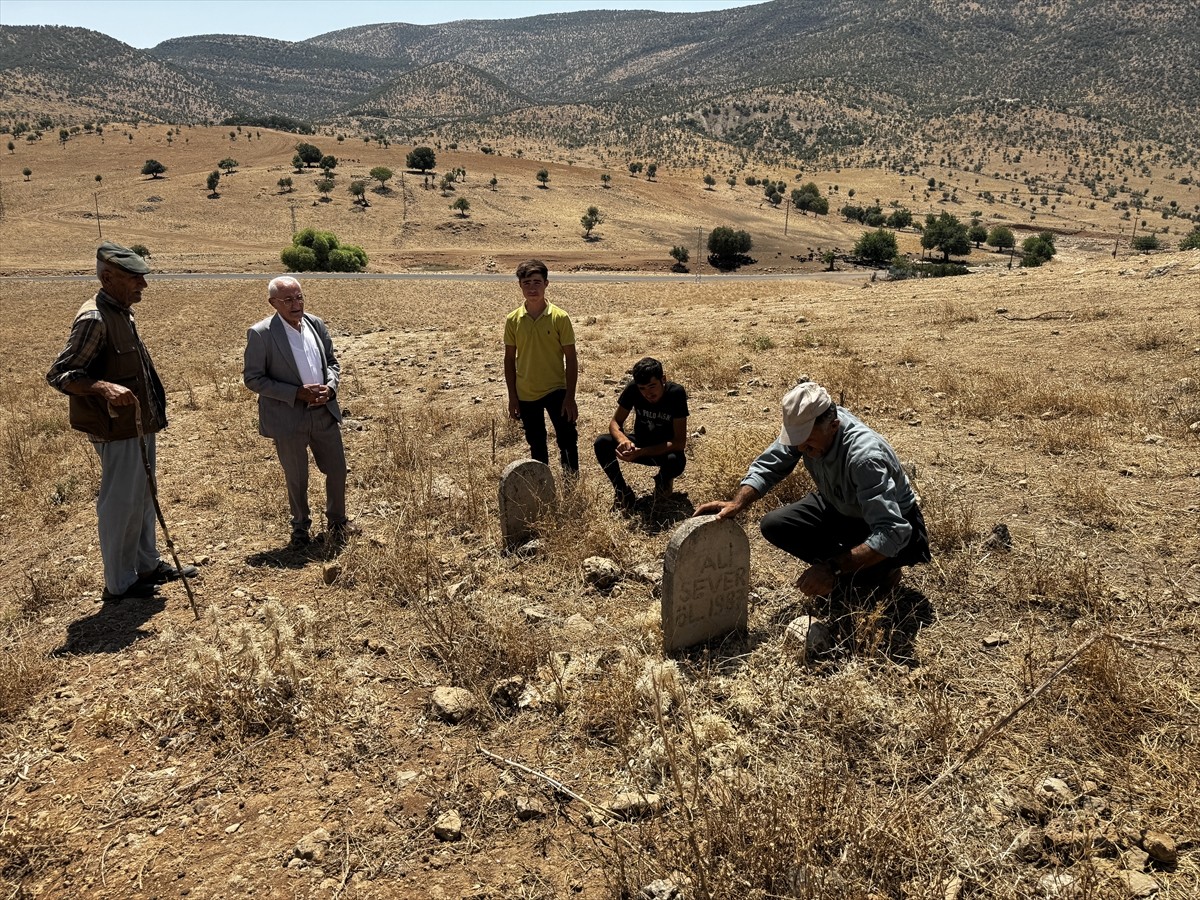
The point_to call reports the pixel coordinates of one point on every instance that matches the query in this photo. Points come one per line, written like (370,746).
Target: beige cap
(801,407)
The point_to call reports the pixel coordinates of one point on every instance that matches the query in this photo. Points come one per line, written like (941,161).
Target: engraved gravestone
(526,492)
(706,582)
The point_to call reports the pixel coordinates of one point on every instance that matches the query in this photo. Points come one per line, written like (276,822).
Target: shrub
(1143,243)
(1037,250)
(141,250)
(347,258)
(313,250)
(1192,241)
(299,259)
(727,247)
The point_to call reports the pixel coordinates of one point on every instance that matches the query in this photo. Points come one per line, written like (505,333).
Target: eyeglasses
(299,298)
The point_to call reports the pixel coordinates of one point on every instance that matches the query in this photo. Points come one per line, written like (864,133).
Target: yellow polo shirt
(539,342)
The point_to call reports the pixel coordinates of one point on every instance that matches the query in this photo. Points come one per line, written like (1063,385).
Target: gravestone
(526,492)
(706,582)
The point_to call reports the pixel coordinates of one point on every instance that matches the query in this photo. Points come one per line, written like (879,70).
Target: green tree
(462,205)
(808,198)
(899,218)
(153,168)
(285,185)
(543,176)
(590,220)
(228,164)
(63,135)
(214,178)
(381,174)
(325,186)
(27,172)
(605,178)
(709,181)
(314,250)
(12,148)
(421,159)
(1192,240)
(651,171)
(876,248)
(977,234)
(141,250)
(1144,243)
(327,164)
(495,181)
(945,233)
(309,154)
(298,165)
(1001,237)
(634,168)
(681,255)
(1037,249)
(358,189)
(727,247)
(99,178)
(731,181)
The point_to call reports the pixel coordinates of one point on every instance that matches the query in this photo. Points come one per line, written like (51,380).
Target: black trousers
(814,531)
(670,465)
(533,420)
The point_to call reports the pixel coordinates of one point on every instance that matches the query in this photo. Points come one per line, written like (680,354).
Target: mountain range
(793,79)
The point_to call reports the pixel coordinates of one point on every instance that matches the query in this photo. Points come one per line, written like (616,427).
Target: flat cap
(122,258)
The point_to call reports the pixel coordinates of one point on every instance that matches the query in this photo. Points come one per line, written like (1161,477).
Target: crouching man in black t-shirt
(659,432)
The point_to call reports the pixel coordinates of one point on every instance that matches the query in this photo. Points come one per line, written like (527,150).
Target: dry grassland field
(1044,743)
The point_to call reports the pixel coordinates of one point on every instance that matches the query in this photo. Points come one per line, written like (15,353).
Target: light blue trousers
(125,513)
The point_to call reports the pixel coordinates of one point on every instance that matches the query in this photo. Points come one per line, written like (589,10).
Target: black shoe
(625,499)
(139,590)
(342,532)
(300,538)
(165,572)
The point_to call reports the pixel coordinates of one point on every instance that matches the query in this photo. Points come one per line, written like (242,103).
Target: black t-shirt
(654,422)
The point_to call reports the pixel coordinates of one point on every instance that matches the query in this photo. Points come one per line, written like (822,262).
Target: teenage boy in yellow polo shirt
(540,368)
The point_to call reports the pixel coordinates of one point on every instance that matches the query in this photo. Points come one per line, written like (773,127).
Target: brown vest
(122,360)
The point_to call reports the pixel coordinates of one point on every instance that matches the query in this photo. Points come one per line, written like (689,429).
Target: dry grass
(295,704)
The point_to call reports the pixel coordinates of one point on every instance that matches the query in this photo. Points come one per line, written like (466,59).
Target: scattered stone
(1159,271)
(507,691)
(1187,386)
(443,488)
(330,572)
(231,829)
(1071,840)
(660,889)
(601,573)
(1161,847)
(650,573)
(1027,846)
(810,638)
(1135,859)
(530,548)
(1001,310)
(1194,428)
(448,826)
(313,846)
(526,493)
(1055,791)
(1153,439)
(706,582)
(530,808)
(660,683)
(995,639)
(578,624)
(631,805)
(535,613)
(1139,884)
(1057,884)
(999,539)
(454,704)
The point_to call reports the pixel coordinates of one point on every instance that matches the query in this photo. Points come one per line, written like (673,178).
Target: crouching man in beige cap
(860,527)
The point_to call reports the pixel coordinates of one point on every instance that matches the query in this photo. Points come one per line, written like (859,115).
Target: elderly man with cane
(118,401)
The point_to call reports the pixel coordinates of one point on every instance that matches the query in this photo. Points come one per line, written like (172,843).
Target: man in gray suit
(291,365)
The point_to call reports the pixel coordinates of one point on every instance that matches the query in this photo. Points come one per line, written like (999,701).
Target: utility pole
(292,208)
(96,197)
(699,230)
(787,208)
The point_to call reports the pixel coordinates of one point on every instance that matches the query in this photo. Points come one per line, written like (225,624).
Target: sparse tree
(214,178)
(12,148)
(681,255)
(731,181)
(495,181)
(141,250)
(153,168)
(309,154)
(808,198)
(899,218)
(63,135)
(830,260)
(543,176)
(1144,243)
(728,247)
(945,233)
(977,234)
(325,186)
(421,159)
(285,184)
(605,179)
(381,174)
(27,172)
(709,181)
(298,164)
(328,164)
(229,164)
(651,171)
(358,189)
(876,248)
(634,168)
(1037,249)
(1001,237)
(590,220)
(462,205)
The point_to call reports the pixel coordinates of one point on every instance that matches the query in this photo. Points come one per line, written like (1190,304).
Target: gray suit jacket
(270,371)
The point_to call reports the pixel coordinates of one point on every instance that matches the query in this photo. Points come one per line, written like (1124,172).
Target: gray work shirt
(859,476)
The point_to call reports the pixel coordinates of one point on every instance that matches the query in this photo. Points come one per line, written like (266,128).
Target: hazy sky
(144,23)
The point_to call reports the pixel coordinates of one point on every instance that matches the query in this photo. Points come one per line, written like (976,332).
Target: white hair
(278,284)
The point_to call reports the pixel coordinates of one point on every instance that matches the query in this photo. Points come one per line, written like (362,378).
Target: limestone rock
(454,704)
(530,808)
(1055,791)
(1057,884)
(1139,884)
(659,889)
(601,573)
(579,625)
(330,572)
(631,805)
(1161,847)
(313,846)
(810,638)
(448,826)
